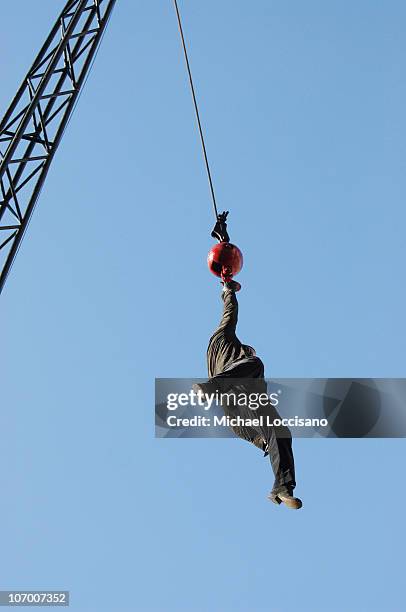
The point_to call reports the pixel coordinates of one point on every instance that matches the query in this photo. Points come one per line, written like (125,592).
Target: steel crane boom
(33,126)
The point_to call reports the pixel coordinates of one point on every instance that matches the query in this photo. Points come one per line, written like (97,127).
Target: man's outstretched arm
(229,320)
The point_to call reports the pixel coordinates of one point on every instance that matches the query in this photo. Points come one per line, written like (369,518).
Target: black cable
(196,109)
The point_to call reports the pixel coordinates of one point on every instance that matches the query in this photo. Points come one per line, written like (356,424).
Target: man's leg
(282,461)
(279,447)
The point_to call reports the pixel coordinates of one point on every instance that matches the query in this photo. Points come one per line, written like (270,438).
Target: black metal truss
(33,126)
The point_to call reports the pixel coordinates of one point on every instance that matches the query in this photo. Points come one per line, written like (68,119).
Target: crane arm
(33,125)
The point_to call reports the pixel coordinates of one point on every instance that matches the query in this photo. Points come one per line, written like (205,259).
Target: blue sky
(303,109)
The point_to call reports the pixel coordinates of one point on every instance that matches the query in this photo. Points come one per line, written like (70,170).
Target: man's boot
(286,497)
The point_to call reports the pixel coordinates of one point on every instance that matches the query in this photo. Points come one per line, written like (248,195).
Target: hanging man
(228,360)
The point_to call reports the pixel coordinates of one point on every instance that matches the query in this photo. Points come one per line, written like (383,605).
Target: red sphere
(225,257)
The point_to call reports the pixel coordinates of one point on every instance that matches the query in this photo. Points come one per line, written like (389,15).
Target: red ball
(225,257)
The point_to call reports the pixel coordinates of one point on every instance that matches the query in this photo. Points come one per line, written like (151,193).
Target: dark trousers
(225,366)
